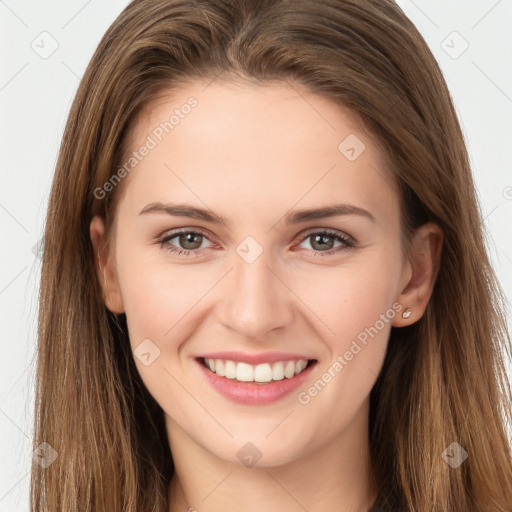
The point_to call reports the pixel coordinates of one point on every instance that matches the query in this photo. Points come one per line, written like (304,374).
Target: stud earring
(407,313)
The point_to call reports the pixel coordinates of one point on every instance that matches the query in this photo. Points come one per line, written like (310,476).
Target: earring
(407,313)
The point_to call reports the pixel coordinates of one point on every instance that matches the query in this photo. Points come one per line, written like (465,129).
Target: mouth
(239,381)
(259,374)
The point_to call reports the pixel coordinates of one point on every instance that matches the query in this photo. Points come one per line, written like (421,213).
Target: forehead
(266,143)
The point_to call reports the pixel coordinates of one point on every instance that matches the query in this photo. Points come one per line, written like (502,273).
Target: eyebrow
(186,210)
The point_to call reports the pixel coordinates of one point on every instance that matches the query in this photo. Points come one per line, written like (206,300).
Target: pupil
(188,238)
(321,241)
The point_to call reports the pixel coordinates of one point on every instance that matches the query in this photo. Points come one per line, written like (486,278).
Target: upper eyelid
(174,234)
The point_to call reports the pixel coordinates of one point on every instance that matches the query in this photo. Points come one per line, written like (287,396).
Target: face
(214,251)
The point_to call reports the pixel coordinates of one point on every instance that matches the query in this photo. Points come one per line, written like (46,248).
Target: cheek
(353,311)
(158,298)
(161,305)
(365,296)
(350,298)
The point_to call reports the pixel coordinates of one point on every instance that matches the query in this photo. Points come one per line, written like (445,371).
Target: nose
(257,299)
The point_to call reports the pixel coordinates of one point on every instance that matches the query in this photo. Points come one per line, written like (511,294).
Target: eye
(323,242)
(188,242)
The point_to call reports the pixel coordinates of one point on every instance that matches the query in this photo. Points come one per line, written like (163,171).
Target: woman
(265,284)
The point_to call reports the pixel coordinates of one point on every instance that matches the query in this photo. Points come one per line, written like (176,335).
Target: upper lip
(253,359)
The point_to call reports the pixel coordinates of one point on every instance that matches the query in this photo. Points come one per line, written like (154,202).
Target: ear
(105,266)
(423,268)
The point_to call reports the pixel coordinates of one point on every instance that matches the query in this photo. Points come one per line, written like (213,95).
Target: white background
(35,96)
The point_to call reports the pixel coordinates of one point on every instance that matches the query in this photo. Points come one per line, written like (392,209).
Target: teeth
(230,369)
(220,368)
(265,372)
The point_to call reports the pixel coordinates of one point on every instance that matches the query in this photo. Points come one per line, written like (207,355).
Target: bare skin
(254,155)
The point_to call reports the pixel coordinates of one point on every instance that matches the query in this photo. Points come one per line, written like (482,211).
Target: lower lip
(251,393)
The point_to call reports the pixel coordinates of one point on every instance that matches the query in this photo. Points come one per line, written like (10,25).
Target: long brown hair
(443,379)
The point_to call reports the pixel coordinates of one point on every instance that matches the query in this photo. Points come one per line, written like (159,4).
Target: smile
(260,373)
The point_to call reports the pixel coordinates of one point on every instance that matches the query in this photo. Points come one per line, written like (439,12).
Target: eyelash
(348,242)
